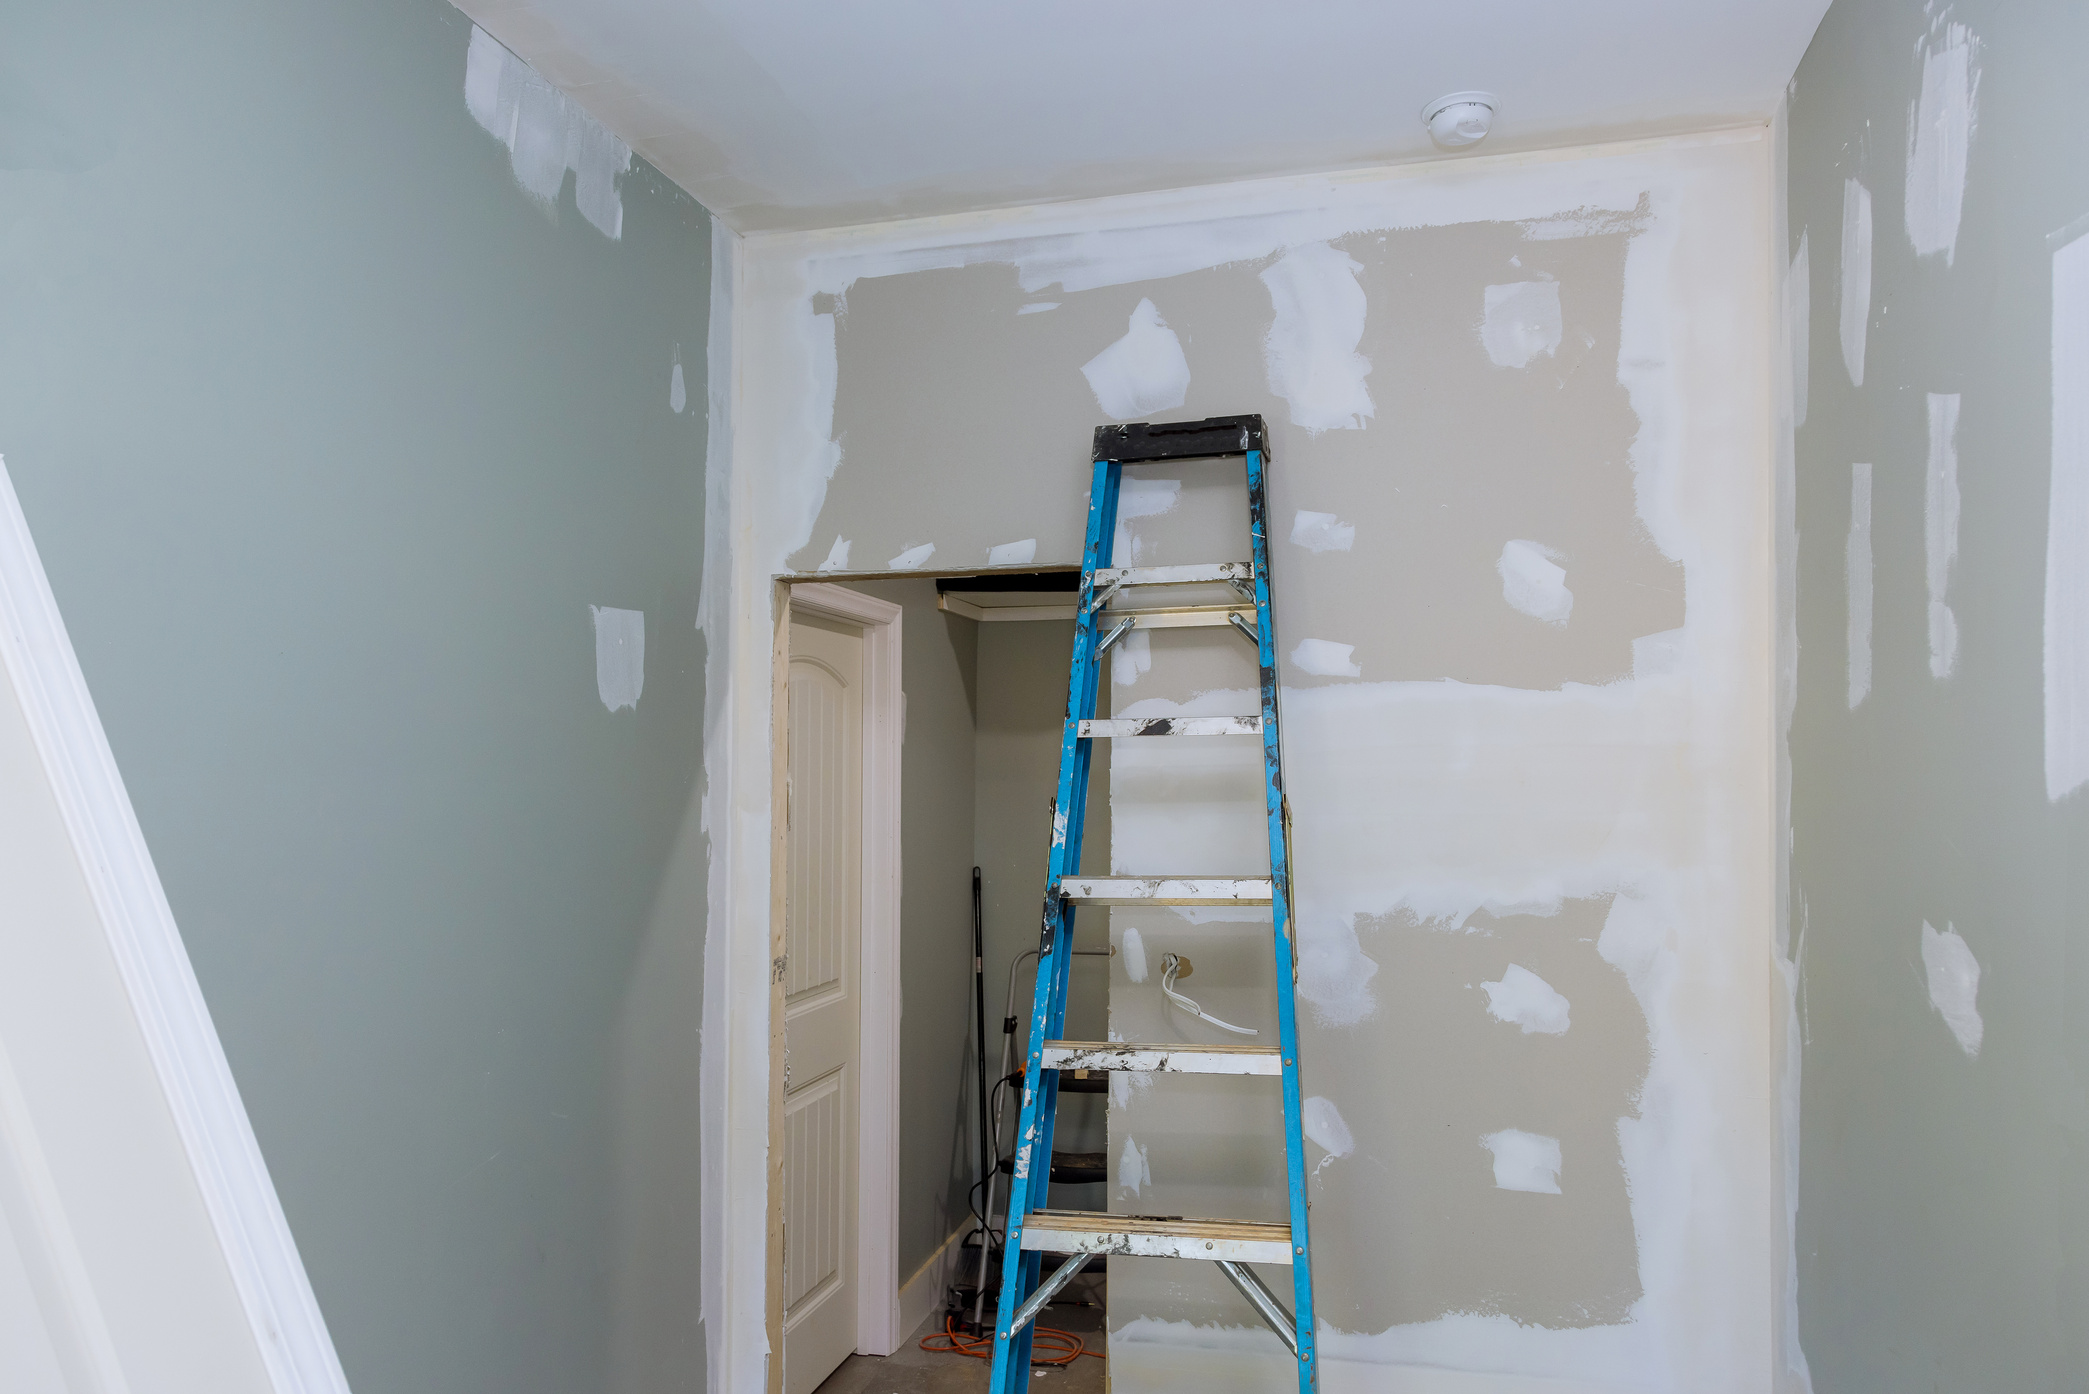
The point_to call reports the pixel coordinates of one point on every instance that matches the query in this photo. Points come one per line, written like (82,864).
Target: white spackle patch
(1325,1127)
(1134,950)
(2067,531)
(1527,1000)
(1662,654)
(1143,372)
(1940,530)
(546,132)
(1798,318)
(1940,133)
(837,556)
(677,390)
(1131,656)
(1013,553)
(912,557)
(1524,1161)
(1954,985)
(1140,498)
(1856,276)
(1857,578)
(1321,532)
(1522,320)
(1325,658)
(1038,307)
(1133,1172)
(1534,583)
(620,656)
(1310,350)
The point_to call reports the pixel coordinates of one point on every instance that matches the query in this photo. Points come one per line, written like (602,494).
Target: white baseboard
(923,1293)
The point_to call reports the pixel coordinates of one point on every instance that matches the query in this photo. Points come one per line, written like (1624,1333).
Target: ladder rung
(1156,1236)
(1172,726)
(1202,574)
(1174,1059)
(1180,616)
(1166,890)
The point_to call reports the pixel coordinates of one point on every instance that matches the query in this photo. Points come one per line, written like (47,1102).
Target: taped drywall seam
(201,1094)
(721,1183)
(1940,530)
(1940,136)
(1857,581)
(546,133)
(1799,322)
(2067,525)
(1856,276)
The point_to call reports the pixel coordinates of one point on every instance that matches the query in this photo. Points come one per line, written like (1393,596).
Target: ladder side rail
(1280,917)
(1029,1188)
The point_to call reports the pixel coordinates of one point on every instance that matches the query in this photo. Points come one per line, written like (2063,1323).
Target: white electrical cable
(1171,964)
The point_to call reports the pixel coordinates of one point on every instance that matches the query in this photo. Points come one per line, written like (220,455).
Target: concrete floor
(912,1370)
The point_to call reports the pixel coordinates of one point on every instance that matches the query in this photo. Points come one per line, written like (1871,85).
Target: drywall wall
(354,388)
(1939,826)
(1521,417)
(1022,704)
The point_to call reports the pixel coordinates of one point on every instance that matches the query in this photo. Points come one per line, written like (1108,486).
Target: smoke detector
(1460,119)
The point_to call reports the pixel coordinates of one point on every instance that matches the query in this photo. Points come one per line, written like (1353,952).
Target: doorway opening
(967,710)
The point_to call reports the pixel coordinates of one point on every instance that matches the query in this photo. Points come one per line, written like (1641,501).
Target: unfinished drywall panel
(1520,420)
(339,414)
(1938,907)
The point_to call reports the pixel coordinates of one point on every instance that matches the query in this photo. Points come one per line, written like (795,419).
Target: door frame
(877,1071)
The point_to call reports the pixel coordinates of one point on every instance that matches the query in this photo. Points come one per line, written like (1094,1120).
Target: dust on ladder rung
(1156,1236)
(1166,890)
(1171,1059)
(1201,574)
(1171,726)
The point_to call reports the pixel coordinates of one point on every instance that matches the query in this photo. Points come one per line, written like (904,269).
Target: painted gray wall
(1943,1231)
(329,436)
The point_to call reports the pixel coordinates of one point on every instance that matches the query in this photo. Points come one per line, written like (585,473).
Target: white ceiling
(795,113)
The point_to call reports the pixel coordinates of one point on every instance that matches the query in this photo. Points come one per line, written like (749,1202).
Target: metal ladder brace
(1103,618)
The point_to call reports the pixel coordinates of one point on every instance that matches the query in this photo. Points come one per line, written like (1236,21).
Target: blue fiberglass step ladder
(1105,615)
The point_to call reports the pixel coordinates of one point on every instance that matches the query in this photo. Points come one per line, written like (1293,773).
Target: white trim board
(879,1326)
(921,1294)
(146,944)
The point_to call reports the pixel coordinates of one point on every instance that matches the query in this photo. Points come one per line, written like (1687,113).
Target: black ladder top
(1214,437)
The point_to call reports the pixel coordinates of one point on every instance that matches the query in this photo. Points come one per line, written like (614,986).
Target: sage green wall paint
(1942,1231)
(329,436)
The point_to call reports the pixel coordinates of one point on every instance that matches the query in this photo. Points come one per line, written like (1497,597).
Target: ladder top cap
(1137,441)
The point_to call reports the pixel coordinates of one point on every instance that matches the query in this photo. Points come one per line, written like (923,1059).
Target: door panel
(823,931)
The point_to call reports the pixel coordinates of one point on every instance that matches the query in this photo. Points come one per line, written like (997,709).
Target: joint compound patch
(1954,985)
(677,389)
(1324,1127)
(1325,658)
(1143,372)
(2067,530)
(1856,276)
(1524,1161)
(837,556)
(1321,532)
(1940,136)
(1310,350)
(1013,553)
(1533,582)
(913,557)
(546,132)
(1857,578)
(620,656)
(1940,530)
(1521,320)
(1133,1170)
(1527,1000)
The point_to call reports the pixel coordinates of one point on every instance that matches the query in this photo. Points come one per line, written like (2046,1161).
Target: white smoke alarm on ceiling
(1463,118)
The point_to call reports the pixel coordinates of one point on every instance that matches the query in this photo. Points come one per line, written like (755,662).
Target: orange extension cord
(1064,1347)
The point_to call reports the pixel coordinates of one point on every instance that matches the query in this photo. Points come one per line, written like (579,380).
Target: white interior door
(823,934)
